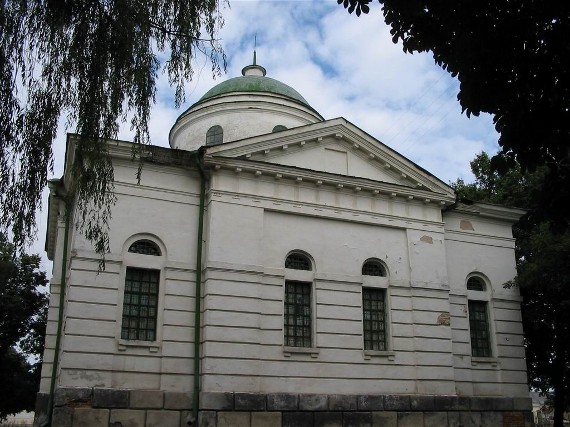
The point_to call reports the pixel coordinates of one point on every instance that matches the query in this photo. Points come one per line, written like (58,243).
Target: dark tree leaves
(23,316)
(96,62)
(20,384)
(510,58)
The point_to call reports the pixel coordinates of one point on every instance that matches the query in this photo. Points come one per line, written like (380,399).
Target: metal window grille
(373,268)
(145,247)
(479,328)
(140,304)
(374,318)
(215,135)
(298,262)
(475,284)
(279,128)
(297,325)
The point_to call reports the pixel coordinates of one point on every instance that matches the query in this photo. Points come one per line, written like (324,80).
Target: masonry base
(96,407)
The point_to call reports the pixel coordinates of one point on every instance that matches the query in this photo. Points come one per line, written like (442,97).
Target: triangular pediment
(334,147)
(333,155)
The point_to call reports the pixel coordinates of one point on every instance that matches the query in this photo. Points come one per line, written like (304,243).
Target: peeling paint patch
(427,239)
(466,225)
(444,319)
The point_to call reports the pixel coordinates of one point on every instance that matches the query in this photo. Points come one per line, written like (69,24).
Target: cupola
(241,107)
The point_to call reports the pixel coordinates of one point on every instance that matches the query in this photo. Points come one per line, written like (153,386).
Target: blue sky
(344,66)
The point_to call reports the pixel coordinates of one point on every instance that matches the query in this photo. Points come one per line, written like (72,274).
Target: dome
(254,83)
(241,107)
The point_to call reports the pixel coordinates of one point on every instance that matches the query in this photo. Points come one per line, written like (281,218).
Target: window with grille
(140,304)
(475,284)
(479,328)
(215,135)
(298,318)
(279,128)
(145,247)
(298,262)
(373,268)
(374,318)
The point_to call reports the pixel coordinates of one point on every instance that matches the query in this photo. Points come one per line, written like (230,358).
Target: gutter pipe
(198,293)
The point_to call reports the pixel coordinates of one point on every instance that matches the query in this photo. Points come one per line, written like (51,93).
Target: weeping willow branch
(94,62)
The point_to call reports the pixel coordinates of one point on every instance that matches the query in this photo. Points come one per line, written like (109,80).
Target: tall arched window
(374,307)
(479,324)
(298,307)
(144,261)
(215,135)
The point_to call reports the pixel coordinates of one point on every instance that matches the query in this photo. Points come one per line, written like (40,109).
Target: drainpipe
(197,317)
(62,281)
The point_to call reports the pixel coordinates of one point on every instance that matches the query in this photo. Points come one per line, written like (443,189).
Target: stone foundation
(103,407)
(96,407)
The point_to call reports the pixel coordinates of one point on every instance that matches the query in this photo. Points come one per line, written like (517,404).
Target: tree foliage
(510,59)
(543,265)
(23,316)
(96,62)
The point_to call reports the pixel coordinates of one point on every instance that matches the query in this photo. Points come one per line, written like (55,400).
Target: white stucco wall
(162,208)
(256,221)
(252,222)
(485,247)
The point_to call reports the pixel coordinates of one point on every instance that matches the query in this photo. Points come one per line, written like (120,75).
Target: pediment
(333,147)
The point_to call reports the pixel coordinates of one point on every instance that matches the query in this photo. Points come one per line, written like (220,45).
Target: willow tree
(94,63)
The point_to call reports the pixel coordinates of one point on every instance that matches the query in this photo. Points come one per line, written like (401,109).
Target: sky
(344,66)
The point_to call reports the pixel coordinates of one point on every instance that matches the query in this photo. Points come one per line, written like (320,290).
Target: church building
(273,268)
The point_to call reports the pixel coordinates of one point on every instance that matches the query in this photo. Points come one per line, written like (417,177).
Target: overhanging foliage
(96,62)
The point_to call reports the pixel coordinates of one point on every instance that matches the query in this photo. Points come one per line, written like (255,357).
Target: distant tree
(510,58)
(97,63)
(543,265)
(23,313)
(511,188)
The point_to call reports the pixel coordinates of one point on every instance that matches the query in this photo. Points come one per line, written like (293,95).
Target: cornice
(272,204)
(340,182)
(486,210)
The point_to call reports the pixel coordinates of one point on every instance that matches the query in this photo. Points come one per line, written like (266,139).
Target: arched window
(145,247)
(144,262)
(297,261)
(479,322)
(475,283)
(279,128)
(298,307)
(374,307)
(373,267)
(215,135)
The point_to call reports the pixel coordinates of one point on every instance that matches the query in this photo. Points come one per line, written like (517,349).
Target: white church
(273,268)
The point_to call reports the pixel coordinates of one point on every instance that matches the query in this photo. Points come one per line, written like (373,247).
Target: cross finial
(254,69)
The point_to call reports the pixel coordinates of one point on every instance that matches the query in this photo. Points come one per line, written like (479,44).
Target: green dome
(254,84)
